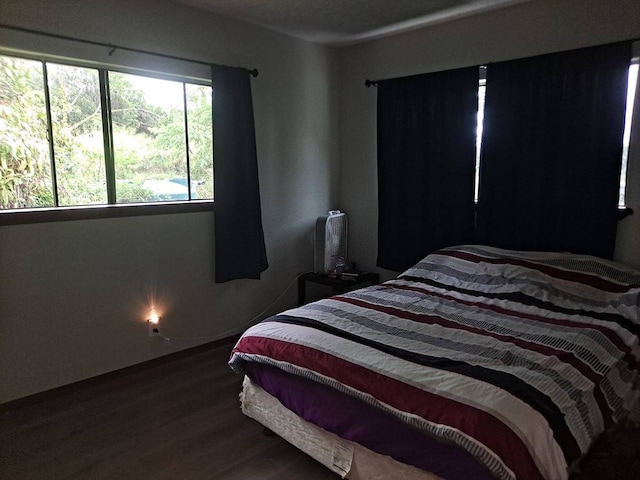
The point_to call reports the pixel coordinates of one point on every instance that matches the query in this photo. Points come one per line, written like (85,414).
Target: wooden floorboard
(181,420)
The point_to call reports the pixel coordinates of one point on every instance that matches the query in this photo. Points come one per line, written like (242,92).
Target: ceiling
(343,22)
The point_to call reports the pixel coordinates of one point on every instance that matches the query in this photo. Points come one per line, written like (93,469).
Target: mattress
(519,359)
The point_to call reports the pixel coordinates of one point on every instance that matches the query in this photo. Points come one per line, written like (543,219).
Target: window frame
(94,212)
(20,216)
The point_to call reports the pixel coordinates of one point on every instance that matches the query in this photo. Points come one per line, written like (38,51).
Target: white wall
(531,28)
(74,295)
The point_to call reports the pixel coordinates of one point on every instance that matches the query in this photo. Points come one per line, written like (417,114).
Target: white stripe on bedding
(582,430)
(521,418)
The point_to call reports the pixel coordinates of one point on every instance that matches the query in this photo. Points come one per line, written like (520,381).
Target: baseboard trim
(53,393)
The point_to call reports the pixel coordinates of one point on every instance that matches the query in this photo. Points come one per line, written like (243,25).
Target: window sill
(63,214)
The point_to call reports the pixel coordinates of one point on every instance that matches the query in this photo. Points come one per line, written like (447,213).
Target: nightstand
(339,285)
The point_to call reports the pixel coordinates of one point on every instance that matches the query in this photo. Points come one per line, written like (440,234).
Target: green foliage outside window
(149,141)
(24,149)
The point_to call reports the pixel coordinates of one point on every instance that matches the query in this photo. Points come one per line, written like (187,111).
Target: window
(626,139)
(482,92)
(74,136)
(631,91)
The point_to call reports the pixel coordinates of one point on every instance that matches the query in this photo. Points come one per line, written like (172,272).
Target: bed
(476,363)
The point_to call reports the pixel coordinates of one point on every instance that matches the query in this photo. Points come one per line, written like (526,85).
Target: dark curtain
(551,151)
(426,156)
(239,239)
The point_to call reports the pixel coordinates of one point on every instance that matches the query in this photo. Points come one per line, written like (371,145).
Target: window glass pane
(200,140)
(76,117)
(25,164)
(482,93)
(631,94)
(148,139)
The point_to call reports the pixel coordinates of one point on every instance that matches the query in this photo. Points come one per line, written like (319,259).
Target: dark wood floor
(182,421)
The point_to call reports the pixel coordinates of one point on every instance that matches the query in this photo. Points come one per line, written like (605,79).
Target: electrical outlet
(154,331)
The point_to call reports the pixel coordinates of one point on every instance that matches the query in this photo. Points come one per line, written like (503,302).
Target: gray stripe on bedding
(505,359)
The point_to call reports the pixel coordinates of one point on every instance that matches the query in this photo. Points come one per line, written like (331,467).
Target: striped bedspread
(520,358)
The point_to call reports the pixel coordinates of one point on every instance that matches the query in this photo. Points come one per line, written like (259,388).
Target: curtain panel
(551,151)
(240,250)
(426,127)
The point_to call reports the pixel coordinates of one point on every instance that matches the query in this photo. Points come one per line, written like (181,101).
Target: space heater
(331,241)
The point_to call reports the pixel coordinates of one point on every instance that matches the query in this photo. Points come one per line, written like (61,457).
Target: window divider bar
(186,138)
(107,130)
(52,157)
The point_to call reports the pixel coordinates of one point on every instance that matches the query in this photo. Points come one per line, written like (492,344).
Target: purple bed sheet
(355,420)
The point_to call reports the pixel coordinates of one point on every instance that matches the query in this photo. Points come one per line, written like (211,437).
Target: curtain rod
(113,47)
(374,83)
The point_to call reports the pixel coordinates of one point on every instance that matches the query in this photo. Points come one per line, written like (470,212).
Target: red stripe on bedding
(612,335)
(583,278)
(566,357)
(474,422)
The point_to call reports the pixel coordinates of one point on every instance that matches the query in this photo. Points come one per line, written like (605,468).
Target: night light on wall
(153,321)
